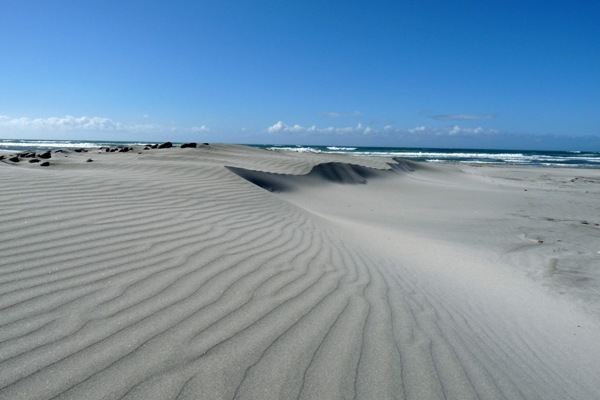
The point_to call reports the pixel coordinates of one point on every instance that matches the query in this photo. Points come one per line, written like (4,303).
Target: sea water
(582,159)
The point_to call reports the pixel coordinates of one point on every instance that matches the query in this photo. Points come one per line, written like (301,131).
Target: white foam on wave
(42,143)
(469,161)
(512,158)
(295,149)
(335,148)
(11,145)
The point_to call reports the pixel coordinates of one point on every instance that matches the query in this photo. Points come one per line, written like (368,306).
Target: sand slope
(173,273)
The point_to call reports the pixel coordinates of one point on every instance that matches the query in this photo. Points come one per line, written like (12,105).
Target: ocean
(538,158)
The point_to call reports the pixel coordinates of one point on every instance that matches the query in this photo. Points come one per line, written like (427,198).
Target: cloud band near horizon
(281,128)
(85,123)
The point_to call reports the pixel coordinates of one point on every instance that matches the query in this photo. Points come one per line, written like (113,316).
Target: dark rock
(34,160)
(45,164)
(45,155)
(154,146)
(27,154)
(123,149)
(146,148)
(165,145)
(89,160)
(113,150)
(14,159)
(191,145)
(205,144)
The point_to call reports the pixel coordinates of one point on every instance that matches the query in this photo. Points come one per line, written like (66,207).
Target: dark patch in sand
(332,172)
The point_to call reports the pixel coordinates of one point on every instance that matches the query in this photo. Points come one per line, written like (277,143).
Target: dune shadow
(326,173)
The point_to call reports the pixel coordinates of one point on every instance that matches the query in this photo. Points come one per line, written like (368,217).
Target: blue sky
(502,74)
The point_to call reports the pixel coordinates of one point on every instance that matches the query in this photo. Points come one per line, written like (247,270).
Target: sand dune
(174,274)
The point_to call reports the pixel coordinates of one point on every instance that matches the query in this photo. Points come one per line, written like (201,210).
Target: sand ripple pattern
(141,282)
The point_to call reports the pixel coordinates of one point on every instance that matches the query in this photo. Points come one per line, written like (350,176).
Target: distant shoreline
(536,158)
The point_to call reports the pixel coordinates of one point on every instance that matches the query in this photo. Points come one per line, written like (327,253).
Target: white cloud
(200,129)
(451,131)
(280,127)
(89,124)
(413,130)
(277,127)
(60,123)
(389,131)
(296,128)
(456,130)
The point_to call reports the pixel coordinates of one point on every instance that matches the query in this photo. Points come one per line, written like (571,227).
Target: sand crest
(224,271)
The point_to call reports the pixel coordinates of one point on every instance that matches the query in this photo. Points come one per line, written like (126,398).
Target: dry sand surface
(224,272)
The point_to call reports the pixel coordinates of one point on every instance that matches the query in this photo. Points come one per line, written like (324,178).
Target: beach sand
(225,271)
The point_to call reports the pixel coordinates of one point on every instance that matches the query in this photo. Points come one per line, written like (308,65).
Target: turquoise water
(581,159)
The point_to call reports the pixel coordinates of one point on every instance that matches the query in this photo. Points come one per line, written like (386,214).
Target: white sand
(166,274)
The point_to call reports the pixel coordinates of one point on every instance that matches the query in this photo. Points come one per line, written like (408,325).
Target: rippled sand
(230,272)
